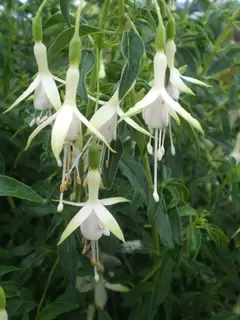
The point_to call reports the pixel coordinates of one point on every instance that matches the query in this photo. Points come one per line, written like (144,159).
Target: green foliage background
(196,274)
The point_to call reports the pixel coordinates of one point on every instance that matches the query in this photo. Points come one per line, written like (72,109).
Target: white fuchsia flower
(46,93)
(157,106)
(94,219)
(175,76)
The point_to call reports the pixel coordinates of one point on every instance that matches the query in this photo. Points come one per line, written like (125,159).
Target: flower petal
(110,222)
(92,128)
(103,115)
(39,128)
(94,99)
(60,129)
(59,80)
(149,98)
(196,81)
(176,81)
(116,287)
(114,200)
(25,94)
(76,221)
(182,112)
(75,204)
(133,123)
(51,89)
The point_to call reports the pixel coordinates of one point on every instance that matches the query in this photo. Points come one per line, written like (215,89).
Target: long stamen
(93,260)
(102,156)
(155,193)
(149,146)
(159,151)
(108,156)
(173,151)
(62,186)
(163,139)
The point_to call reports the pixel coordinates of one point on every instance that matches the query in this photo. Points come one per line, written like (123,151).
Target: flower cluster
(69,124)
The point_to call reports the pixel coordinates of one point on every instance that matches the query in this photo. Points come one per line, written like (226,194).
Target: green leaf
(6,269)
(109,173)
(160,290)
(187,211)
(87,62)
(64,6)
(51,311)
(225,315)
(219,64)
(176,226)
(57,18)
(102,315)
(65,37)
(164,227)
(133,50)
(69,258)
(194,241)
(136,175)
(14,188)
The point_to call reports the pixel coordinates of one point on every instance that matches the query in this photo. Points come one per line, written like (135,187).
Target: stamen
(62,186)
(43,119)
(102,156)
(33,121)
(108,157)
(94,260)
(155,193)
(173,151)
(149,146)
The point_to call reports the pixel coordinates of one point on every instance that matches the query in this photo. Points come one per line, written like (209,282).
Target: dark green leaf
(219,64)
(225,315)
(14,188)
(176,226)
(114,158)
(6,269)
(194,241)
(164,227)
(52,310)
(187,211)
(102,315)
(136,175)
(65,37)
(133,50)
(87,62)
(64,6)
(69,258)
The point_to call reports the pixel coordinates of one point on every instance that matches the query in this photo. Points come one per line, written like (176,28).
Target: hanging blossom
(105,121)
(176,77)
(46,93)
(157,107)
(94,219)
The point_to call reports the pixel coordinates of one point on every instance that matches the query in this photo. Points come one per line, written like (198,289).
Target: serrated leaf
(52,310)
(65,37)
(133,50)
(110,172)
(164,227)
(194,241)
(64,6)
(136,175)
(14,188)
(86,65)
(69,258)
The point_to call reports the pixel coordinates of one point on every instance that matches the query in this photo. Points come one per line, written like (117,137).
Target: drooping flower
(94,219)
(175,76)
(157,106)
(43,84)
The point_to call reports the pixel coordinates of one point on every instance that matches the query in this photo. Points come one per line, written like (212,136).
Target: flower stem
(47,285)
(223,36)
(78,16)
(121,4)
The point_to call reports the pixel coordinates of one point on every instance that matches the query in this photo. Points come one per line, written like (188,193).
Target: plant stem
(153,271)
(78,16)
(121,4)
(47,285)
(220,41)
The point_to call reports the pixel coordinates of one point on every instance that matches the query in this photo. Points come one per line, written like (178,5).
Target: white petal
(39,128)
(103,115)
(94,99)
(59,80)
(51,89)
(26,93)
(106,217)
(93,228)
(133,123)
(149,98)
(60,129)
(75,204)
(76,221)
(114,200)
(116,287)
(91,128)
(177,82)
(182,112)
(196,81)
